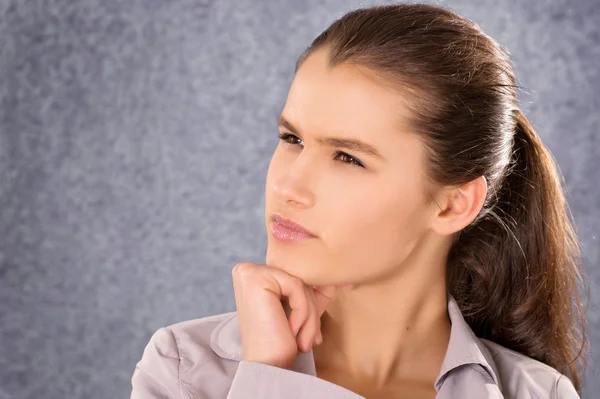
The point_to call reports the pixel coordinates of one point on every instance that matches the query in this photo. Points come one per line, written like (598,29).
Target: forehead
(344,99)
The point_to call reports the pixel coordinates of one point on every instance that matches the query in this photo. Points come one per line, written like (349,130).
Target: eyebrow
(346,143)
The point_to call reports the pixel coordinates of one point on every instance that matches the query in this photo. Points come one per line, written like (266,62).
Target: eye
(346,158)
(349,159)
(286,138)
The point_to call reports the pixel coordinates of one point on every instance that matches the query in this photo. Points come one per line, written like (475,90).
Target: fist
(278,314)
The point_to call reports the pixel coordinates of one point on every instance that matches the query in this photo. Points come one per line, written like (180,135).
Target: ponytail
(515,272)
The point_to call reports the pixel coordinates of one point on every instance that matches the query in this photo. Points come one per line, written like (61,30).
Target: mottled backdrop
(134,141)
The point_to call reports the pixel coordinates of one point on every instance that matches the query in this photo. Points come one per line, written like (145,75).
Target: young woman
(419,242)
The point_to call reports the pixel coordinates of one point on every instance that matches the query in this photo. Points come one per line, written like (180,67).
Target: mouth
(287,230)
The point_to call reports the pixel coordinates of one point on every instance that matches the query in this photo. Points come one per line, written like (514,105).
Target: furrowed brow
(338,142)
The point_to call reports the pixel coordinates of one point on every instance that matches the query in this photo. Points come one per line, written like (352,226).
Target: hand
(264,298)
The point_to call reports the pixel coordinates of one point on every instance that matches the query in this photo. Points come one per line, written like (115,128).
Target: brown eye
(288,138)
(347,158)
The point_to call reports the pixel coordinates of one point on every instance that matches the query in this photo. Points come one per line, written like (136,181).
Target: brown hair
(515,269)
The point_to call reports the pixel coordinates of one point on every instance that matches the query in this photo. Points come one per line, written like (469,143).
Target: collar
(463,348)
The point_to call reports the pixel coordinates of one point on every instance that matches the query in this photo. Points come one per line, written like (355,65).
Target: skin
(381,228)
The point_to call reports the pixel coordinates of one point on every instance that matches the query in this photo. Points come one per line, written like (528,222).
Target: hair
(514,271)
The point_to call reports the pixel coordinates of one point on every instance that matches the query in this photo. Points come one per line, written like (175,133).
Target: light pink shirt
(201,359)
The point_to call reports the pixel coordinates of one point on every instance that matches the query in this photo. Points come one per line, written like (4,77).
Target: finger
(316,317)
(319,339)
(294,323)
(239,274)
(292,288)
(249,277)
(312,326)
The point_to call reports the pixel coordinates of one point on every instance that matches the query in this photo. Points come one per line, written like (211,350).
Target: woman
(419,242)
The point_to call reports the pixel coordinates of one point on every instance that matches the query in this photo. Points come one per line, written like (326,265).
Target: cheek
(378,233)
(373,226)
(378,210)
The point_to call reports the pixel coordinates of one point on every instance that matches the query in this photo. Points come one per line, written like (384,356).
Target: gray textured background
(134,141)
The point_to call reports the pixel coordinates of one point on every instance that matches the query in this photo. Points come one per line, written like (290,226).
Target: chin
(281,262)
(294,267)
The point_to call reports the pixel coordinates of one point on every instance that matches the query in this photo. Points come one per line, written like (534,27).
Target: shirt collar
(463,348)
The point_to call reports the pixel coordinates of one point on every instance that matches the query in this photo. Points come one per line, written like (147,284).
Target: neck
(387,331)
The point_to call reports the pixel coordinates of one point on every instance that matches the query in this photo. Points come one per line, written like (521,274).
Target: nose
(292,187)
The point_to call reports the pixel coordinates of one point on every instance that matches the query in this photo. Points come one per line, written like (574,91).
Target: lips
(288,230)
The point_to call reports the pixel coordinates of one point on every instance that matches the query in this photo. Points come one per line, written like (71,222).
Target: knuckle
(298,284)
(242,269)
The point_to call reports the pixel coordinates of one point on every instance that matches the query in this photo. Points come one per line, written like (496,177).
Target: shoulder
(180,361)
(199,341)
(523,377)
(198,331)
(175,340)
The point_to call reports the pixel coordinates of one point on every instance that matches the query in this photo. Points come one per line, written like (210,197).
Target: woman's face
(367,211)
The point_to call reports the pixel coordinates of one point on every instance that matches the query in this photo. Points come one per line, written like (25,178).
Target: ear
(459,206)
